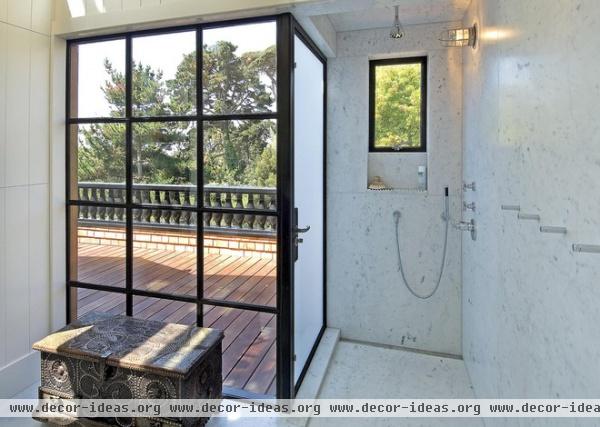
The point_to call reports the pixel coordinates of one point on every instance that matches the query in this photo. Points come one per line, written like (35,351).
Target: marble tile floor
(357,371)
(361,370)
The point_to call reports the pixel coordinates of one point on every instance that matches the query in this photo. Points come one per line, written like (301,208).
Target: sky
(160,52)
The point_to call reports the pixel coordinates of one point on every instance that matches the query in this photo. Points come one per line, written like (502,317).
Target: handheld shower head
(446,213)
(446,219)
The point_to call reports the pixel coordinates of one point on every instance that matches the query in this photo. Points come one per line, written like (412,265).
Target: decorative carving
(58,374)
(119,357)
(59,371)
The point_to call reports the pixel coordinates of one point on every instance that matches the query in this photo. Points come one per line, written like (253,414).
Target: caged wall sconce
(459,37)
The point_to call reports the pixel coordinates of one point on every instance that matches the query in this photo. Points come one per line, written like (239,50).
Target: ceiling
(351,15)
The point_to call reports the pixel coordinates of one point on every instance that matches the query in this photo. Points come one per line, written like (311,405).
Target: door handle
(296,240)
(301,230)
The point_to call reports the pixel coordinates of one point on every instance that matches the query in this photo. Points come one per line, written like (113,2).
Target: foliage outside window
(164,152)
(398,104)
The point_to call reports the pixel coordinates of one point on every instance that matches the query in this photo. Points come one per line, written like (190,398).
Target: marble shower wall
(366,297)
(532,137)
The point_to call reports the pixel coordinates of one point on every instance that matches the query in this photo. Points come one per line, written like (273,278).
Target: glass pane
(97,162)
(88,301)
(240,158)
(97,245)
(164,74)
(249,347)
(240,69)
(240,263)
(164,163)
(398,106)
(164,251)
(308,198)
(98,79)
(163,310)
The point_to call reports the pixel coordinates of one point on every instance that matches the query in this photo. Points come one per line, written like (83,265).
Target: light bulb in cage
(459,37)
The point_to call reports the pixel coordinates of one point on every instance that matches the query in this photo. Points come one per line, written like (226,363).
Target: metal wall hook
(591,249)
(532,217)
(553,230)
(510,207)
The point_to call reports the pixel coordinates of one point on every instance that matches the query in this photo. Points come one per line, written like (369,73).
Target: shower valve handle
(469,226)
(469,206)
(472,186)
(464,226)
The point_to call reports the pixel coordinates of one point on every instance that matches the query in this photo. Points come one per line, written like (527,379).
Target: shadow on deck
(249,347)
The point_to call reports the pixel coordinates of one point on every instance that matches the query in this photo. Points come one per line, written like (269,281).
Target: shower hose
(446,219)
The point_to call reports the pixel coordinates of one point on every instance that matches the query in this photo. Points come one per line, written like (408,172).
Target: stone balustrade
(163,207)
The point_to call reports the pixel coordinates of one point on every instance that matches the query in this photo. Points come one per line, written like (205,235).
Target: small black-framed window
(398,105)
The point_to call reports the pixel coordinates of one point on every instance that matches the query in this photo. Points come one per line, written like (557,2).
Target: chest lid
(164,348)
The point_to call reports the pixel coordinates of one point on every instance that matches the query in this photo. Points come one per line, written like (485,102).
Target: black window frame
(373,64)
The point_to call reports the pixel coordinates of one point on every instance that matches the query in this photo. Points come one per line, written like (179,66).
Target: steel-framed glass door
(180,187)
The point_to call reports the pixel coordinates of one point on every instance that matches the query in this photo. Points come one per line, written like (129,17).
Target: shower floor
(358,370)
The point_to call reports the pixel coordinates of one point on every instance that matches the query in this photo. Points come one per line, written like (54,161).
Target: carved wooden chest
(102,356)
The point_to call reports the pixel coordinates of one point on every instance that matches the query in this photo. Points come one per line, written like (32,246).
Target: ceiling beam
(180,12)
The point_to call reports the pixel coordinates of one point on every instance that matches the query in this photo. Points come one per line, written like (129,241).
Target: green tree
(263,173)
(235,152)
(238,84)
(101,152)
(398,106)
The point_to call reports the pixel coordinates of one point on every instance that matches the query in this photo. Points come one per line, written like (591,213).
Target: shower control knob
(470,186)
(469,226)
(469,206)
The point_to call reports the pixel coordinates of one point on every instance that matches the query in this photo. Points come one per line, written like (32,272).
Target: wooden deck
(249,345)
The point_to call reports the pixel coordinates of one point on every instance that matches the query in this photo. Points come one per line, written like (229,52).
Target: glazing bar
(592,249)
(552,229)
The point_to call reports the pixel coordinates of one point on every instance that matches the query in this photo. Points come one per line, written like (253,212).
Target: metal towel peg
(510,207)
(552,229)
(592,249)
(533,217)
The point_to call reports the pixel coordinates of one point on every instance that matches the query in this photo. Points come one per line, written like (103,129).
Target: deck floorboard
(249,349)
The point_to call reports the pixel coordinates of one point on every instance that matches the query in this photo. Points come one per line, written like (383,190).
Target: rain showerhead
(397,31)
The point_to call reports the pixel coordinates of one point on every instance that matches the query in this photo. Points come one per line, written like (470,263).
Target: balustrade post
(239,204)
(259,221)
(83,195)
(227,217)
(216,216)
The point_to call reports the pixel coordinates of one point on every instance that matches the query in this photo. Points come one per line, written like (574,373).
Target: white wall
(365,295)
(532,137)
(24,194)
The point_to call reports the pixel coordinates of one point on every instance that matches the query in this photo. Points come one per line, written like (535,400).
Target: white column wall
(24,187)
